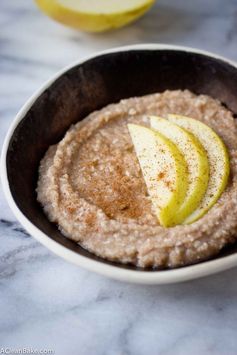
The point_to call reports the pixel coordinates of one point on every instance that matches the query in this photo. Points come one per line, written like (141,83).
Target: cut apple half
(218,162)
(196,159)
(164,169)
(95,15)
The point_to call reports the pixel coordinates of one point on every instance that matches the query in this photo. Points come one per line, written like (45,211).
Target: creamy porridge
(91,185)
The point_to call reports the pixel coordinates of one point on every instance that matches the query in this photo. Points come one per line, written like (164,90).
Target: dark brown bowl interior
(92,85)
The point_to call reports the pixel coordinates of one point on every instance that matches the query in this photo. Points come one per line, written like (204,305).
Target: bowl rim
(112,271)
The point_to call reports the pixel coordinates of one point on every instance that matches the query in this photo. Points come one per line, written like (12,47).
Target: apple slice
(164,170)
(196,159)
(218,162)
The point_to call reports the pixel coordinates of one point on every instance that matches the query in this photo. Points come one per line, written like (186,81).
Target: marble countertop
(47,303)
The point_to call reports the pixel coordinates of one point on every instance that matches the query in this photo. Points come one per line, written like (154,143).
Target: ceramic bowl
(81,88)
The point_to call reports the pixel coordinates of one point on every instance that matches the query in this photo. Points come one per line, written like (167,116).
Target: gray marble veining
(46,302)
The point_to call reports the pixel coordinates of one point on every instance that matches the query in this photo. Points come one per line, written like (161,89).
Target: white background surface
(44,301)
